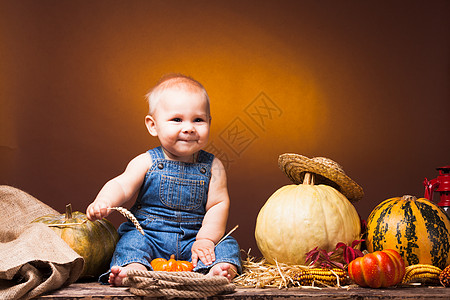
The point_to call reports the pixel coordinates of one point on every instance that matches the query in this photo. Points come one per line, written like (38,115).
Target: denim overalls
(170,207)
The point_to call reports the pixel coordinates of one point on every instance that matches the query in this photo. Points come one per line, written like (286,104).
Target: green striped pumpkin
(94,241)
(417,228)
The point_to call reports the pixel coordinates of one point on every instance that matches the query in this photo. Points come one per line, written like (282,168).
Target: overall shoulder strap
(156,153)
(205,157)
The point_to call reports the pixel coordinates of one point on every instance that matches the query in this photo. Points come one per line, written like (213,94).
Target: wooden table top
(93,290)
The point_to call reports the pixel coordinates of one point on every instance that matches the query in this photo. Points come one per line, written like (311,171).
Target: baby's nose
(188,128)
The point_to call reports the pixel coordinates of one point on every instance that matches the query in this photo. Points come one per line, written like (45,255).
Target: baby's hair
(174,81)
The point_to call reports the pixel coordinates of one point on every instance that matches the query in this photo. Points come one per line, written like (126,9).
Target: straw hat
(326,171)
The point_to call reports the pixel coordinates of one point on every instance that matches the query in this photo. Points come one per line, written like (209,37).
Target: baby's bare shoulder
(141,162)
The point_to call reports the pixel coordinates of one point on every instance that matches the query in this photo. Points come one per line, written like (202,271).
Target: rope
(176,284)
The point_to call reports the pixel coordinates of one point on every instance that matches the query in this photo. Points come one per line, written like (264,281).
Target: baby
(183,200)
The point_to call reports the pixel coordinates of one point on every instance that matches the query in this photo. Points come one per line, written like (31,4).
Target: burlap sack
(33,259)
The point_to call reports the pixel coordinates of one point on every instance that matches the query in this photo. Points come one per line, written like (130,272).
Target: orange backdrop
(365,84)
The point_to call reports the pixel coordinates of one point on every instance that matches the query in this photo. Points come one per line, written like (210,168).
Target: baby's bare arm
(215,220)
(120,189)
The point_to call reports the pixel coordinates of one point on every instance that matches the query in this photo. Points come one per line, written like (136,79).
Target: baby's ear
(151,125)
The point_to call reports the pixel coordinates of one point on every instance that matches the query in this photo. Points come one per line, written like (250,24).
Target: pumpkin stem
(68,211)
(409,198)
(308,179)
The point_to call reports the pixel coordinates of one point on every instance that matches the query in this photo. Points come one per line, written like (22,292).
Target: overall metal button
(203,170)
(160,166)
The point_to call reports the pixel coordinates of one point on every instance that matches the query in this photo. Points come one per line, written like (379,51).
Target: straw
(326,171)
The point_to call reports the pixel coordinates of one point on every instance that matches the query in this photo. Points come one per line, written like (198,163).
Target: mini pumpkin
(94,241)
(171,265)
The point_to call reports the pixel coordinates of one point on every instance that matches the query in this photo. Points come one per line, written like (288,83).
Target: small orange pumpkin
(171,265)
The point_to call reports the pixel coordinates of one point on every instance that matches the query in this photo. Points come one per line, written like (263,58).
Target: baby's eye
(176,119)
(199,120)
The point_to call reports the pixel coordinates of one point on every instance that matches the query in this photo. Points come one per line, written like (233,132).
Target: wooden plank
(88,291)
(343,293)
(95,291)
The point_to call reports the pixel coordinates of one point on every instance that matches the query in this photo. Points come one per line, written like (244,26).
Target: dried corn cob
(422,273)
(127,214)
(327,277)
(444,277)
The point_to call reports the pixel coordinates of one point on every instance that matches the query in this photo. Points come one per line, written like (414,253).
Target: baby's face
(182,122)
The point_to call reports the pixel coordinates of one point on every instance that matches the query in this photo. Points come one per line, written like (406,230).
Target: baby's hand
(203,249)
(97,210)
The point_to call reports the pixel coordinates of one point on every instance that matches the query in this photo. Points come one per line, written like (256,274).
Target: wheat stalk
(225,236)
(127,214)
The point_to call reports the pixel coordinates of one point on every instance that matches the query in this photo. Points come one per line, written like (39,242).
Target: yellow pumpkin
(94,241)
(298,218)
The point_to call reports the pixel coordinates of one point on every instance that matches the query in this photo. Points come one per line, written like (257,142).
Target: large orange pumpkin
(94,241)
(298,218)
(417,228)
